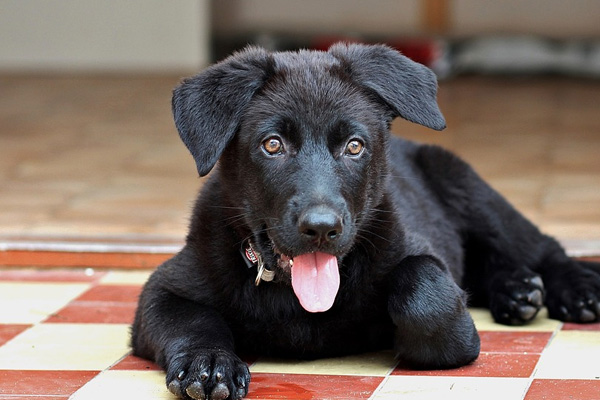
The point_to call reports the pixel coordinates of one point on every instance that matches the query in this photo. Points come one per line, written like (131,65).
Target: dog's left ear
(208,107)
(408,88)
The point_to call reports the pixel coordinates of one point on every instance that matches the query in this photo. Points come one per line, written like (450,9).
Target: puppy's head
(301,139)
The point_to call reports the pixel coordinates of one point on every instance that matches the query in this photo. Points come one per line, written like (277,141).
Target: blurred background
(89,153)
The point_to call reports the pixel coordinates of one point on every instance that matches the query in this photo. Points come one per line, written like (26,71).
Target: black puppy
(320,235)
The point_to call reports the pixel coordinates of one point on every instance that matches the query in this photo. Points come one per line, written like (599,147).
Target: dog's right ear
(208,107)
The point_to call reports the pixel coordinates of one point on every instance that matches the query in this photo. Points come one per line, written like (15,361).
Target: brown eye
(354,147)
(272,146)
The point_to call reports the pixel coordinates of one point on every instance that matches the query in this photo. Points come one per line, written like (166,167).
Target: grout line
(531,377)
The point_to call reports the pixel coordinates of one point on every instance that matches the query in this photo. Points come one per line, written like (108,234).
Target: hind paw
(574,296)
(516,297)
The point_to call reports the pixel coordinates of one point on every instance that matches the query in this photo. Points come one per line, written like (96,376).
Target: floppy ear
(208,107)
(409,89)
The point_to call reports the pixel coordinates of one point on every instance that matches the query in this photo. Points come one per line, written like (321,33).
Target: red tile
(95,312)
(305,387)
(564,389)
(48,383)
(33,397)
(51,259)
(9,331)
(112,293)
(109,304)
(513,342)
(49,275)
(487,365)
(568,326)
(133,363)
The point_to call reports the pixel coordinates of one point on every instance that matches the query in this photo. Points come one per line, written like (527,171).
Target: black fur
(413,227)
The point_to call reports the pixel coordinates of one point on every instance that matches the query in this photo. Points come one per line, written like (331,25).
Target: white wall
(103,35)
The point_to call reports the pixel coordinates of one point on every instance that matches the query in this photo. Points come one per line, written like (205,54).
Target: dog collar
(253,258)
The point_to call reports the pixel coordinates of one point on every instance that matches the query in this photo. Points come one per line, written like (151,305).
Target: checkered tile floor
(64,334)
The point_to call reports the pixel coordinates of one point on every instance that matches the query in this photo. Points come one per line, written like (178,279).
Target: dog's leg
(433,326)
(192,343)
(510,263)
(522,269)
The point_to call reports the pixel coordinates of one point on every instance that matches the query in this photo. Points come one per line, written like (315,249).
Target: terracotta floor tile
(451,388)
(133,363)
(487,365)
(34,397)
(513,342)
(305,387)
(9,331)
(567,326)
(564,389)
(109,304)
(95,312)
(24,258)
(112,293)
(42,383)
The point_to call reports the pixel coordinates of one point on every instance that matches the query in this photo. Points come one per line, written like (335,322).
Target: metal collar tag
(252,258)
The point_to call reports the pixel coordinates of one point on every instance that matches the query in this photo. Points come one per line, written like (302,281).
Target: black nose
(320,224)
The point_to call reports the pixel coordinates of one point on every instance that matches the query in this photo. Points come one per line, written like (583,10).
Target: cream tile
(571,355)
(126,277)
(450,388)
(372,364)
(484,322)
(66,347)
(31,302)
(147,385)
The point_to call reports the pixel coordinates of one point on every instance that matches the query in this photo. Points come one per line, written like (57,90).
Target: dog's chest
(280,327)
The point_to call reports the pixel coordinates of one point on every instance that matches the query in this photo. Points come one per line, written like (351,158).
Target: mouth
(315,276)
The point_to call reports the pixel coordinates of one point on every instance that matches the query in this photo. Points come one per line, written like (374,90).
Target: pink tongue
(316,280)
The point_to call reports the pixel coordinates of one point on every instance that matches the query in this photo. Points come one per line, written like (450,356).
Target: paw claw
(527,312)
(220,392)
(587,316)
(196,391)
(175,388)
(535,298)
(537,281)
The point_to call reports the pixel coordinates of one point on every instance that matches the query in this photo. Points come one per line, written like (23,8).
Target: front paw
(208,374)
